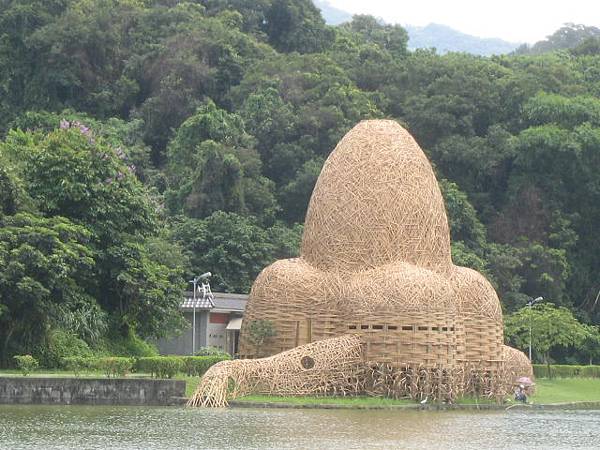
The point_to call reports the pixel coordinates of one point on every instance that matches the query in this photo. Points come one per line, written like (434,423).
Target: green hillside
(144,141)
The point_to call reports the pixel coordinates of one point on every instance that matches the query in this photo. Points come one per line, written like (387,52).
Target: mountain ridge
(441,37)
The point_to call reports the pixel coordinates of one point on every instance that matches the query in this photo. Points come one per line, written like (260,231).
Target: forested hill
(147,141)
(584,39)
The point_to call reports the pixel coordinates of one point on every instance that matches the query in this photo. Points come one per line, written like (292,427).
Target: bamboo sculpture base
(336,367)
(374,294)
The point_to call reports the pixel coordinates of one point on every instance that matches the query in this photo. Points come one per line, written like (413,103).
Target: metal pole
(194,319)
(530,303)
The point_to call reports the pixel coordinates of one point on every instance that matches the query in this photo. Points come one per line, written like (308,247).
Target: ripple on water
(100,427)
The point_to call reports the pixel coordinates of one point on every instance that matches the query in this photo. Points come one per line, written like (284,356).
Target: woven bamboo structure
(375,263)
(322,367)
(517,363)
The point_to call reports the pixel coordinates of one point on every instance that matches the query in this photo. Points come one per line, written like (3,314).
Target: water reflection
(58,427)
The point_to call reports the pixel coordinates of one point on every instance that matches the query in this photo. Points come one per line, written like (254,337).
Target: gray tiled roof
(231,302)
(201,303)
(221,300)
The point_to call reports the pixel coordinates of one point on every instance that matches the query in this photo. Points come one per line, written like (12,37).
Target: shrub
(132,345)
(259,332)
(26,363)
(196,366)
(78,364)
(160,366)
(590,371)
(566,371)
(114,366)
(169,366)
(62,344)
(540,371)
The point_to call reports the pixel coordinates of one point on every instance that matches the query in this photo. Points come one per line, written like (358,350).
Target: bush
(196,366)
(169,366)
(566,371)
(62,344)
(78,364)
(160,366)
(114,366)
(26,363)
(590,371)
(132,345)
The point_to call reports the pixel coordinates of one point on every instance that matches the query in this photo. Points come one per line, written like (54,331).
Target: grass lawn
(559,390)
(556,390)
(190,384)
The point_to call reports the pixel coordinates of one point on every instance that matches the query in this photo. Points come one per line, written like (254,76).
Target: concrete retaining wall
(90,391)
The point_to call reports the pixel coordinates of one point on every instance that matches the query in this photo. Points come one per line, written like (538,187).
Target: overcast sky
(511,20)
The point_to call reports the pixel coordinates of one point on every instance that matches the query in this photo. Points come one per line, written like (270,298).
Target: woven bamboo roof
(376,201)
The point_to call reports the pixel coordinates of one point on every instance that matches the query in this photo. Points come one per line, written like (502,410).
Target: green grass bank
(548,391)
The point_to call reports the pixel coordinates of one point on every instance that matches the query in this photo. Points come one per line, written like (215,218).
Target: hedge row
(157,366)
(113,366)
(168,366)
(566,371)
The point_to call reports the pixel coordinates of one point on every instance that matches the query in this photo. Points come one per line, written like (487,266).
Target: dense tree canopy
(143,142)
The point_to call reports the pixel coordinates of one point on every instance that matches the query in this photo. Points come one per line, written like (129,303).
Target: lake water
(61,427)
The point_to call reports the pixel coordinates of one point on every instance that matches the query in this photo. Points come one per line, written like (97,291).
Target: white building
(218,323)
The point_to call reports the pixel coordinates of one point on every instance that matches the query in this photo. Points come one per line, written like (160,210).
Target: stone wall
(90,391)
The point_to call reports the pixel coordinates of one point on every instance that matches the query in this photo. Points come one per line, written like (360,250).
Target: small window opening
(352,327)
(307,362)
(422,328)
(392,327)
(377,327)
(364,327)
(408,328)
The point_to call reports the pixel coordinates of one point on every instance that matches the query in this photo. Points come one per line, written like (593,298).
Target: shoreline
(427,407)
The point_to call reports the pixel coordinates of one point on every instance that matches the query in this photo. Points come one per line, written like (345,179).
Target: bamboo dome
(376,201)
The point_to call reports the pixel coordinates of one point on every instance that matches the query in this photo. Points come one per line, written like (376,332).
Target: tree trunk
(547,361)
(9,333)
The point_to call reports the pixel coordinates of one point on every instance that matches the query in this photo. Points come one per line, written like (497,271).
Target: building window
(219,318)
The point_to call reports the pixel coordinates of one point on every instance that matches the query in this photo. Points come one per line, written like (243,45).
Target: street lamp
(202,277)
(195,283)
(530,303)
